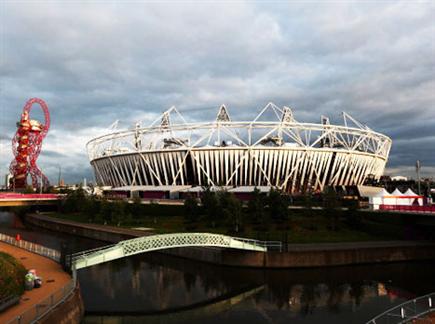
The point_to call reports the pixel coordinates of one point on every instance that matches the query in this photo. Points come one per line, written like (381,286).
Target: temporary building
(375,195)
(414,198)
(379,196)
(397,198)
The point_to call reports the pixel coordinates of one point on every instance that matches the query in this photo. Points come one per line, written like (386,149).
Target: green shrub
(11,276)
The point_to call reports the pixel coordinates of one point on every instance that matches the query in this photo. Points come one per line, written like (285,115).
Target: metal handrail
(31,247)
(406,311)
(265,244)
(150,243)
(85,252)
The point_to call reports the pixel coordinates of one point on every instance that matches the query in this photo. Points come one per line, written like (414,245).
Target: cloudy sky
(95,62)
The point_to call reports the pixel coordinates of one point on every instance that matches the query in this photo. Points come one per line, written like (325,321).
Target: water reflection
(159,288)
(12,225)
(158,283)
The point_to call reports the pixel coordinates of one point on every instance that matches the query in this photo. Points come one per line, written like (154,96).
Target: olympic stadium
(272,150)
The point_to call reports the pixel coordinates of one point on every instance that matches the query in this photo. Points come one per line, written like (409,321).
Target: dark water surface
(158,288)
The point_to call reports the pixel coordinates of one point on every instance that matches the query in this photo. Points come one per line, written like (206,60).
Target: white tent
(413,197)
(397,198)
(375,195)
(378,199)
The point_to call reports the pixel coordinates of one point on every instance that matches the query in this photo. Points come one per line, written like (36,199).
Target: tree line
(215,209)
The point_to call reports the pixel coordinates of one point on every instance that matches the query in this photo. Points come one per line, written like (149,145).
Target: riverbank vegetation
(265,217)
(12,275)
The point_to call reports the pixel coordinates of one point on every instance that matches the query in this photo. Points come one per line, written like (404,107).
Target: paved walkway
(52,275)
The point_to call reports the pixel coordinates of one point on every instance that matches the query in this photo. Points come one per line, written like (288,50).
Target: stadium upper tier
(272,150)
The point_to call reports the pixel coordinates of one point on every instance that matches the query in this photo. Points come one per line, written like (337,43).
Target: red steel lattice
(26,146)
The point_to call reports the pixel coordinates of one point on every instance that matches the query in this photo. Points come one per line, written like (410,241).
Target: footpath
(52,274)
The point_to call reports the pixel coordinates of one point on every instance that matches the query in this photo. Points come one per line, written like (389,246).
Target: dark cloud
(5,137)
(97,62)
(53,154)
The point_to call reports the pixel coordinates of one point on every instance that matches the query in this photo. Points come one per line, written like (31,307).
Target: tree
(353,217)
(256,210)
(191,209)
(230,209)
(210,203)
(74,201)
(90,206)
(234,207)
(118,214)
(278,205)
(105,213)
(331,206)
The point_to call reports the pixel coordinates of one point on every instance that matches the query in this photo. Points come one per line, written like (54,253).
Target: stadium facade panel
(272,150)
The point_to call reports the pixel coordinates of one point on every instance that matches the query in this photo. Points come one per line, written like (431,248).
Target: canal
(158,288)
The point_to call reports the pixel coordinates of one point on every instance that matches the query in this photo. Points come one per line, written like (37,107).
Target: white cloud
(96,62)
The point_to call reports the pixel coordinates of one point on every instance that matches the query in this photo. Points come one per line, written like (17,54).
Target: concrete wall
(98,232)
(308,258)
(71,311)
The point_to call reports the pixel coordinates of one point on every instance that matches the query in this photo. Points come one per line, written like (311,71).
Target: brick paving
(54,278)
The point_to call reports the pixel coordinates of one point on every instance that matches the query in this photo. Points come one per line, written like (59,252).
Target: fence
(408,311)
(8,301)
(417,209)
(32,247)
(44,306)
(269,245)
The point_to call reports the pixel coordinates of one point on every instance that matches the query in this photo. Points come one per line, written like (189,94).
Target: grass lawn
(298,229)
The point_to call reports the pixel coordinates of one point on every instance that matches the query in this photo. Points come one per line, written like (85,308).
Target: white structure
(379,196)
(399,178)
(272,150)
(166,241)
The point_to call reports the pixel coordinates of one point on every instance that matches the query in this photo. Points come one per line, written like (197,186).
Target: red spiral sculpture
(26,146)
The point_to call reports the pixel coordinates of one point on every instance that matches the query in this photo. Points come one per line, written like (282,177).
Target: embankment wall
(297,256)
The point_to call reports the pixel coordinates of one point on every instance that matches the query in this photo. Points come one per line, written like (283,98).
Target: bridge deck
(160,242)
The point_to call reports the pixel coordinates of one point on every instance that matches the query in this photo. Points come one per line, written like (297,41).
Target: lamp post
(417,168)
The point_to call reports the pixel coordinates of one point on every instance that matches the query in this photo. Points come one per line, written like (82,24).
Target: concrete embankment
(315,255)
(297,256)
(104,233)
(71,311)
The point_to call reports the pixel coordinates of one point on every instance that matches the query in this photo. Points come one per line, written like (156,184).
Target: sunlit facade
(271,150)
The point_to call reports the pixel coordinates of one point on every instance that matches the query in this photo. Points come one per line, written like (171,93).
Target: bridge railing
(165,241)
(83,254)
(269,245)
(272,245)
(407,311)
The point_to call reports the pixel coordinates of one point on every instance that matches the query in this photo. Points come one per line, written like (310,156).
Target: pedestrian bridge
(12,199)
(165,241)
